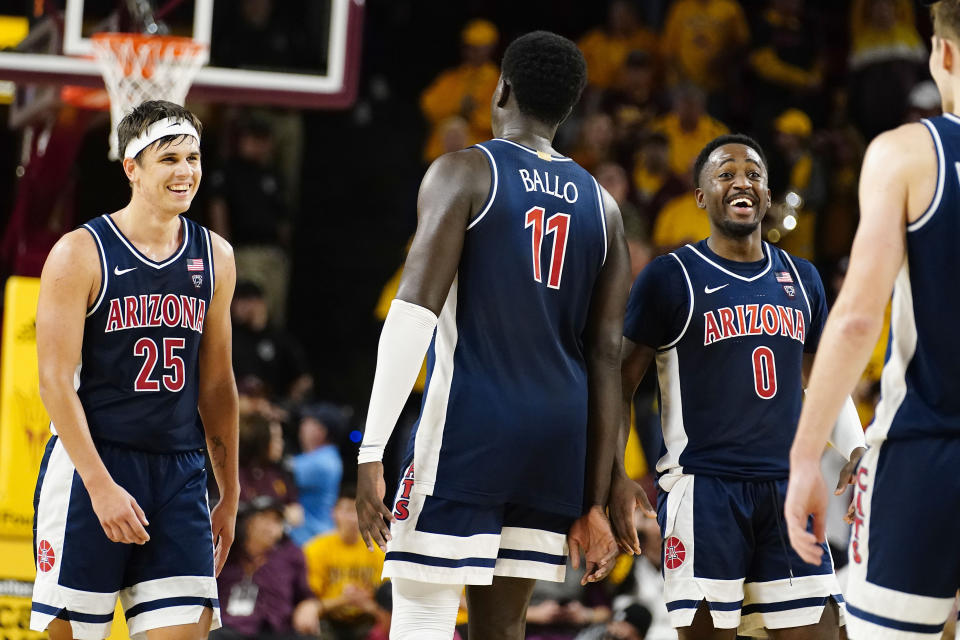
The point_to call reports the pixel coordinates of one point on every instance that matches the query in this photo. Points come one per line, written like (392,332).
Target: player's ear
(698,193)
(943,53)
(504,93)
(129,168)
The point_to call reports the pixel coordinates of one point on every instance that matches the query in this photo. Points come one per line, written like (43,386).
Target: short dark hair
(719,141)
(144,115)
(547,73)
(945,16)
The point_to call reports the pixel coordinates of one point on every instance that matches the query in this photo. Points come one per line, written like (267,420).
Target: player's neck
(739,249)
(530,133)
(148,227)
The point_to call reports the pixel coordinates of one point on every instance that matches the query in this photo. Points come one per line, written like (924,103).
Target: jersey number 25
(557,224)
(147,348)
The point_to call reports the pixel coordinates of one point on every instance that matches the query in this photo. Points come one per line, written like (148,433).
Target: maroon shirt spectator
(263,586)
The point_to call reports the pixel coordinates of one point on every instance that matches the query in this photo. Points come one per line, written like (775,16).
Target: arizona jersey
(504,411)
(730,338)
(138,374)
(918,387)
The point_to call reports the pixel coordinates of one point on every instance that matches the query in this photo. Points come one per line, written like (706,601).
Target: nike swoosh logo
(709,290)
(117,271)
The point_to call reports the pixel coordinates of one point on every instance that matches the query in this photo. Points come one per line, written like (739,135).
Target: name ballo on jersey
(156,310)
(549,185)
(753,320)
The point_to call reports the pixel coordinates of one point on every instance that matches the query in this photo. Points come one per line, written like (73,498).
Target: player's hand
(625,496)
(849,471)
(591,534)
(223,523)
(120,516)
(806,497)
(374,517)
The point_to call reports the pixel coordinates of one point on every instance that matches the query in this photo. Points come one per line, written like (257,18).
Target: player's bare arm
(69,285)
(602,338)
(896,184)
(845,476)
(453,189)
(218,402)
(625,494)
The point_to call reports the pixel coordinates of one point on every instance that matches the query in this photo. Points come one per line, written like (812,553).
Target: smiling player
(135,306)
(732,323)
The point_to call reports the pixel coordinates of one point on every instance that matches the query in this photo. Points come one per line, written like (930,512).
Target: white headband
(159,129)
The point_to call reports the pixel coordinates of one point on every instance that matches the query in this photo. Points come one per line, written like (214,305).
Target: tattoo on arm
(218,452)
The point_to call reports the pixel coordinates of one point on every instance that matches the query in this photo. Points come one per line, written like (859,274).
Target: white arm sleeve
(847,432)
(406,334)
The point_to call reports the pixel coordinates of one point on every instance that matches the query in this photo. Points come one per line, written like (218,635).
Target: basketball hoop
(138,67)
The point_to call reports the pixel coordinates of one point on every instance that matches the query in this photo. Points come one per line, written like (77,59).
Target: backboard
(295,53)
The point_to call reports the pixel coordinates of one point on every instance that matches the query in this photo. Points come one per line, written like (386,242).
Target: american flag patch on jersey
(196,264)
(784,276)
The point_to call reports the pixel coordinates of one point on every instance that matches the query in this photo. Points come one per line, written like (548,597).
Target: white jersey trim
(675,437)
(803,289)
(139,256)
(686,325)
(941,175)
(493,188)
(213,282)
(731,273)
(103,265)
(903,345)
(429,438)
(534,151)
(603,219)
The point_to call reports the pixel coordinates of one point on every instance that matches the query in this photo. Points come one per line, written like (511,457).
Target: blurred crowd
(665,77)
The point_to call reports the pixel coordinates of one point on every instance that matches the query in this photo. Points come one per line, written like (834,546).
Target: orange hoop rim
(182,45)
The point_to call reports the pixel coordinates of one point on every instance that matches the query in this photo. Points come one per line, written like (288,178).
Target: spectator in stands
(787,60)
(680,221)
(887,58)
(630,624)
(654,184)
(263,586)
(633,103)
(606,48)
(614,179)
(247,207)
(842,147)
(795,169)
(265,357)
(559,610)
(688,127)
(343,574)
(318,469)
(464,91)
(261,466)
(702,43)
(595,143)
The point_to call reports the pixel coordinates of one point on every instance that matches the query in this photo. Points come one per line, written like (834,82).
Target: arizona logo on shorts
(674,553)
(46,558)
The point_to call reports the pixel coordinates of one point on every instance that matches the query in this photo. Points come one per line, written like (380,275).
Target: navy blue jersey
(730,338)
(922,374)
(138,375)
(504,413)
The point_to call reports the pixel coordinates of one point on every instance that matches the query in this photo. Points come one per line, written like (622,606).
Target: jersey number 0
(557,224)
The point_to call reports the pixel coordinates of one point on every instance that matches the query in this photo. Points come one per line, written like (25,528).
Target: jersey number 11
(557,224)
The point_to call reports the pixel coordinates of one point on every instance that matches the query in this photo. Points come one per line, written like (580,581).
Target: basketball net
(138,67)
